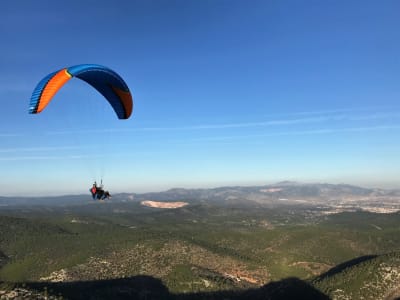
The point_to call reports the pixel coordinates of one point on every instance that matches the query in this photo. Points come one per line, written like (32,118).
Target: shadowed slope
(146,287)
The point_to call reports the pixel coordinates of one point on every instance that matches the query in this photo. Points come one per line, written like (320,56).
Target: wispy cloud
(38,149)
(47,153)
(225,138)
(17,158)
(14,88)
(301,132)
(10,135)
(48,157)
(339,130)
(332,116)
(367,109)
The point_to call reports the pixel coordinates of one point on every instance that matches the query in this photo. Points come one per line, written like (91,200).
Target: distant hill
(266,194)
(280,194)
(273,191)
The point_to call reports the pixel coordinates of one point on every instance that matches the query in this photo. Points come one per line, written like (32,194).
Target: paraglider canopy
(103,79)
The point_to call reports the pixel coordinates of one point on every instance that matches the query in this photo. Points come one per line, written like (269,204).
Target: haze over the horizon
(226,92)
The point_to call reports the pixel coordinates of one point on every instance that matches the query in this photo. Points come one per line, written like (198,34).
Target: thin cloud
(277,122)
(323,131)
(15,88)
(49,157)
(38,149)
(341,110)
(18,158)
(302,132)
(10,135)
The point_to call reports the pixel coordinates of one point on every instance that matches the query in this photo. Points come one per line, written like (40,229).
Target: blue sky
(226,92)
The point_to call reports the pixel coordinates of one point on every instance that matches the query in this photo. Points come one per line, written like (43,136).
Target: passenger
(93,190)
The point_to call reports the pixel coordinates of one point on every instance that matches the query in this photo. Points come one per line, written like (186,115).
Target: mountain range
(266,194)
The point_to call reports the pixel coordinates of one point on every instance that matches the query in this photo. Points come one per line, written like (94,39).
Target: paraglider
(98,192)
(104,80)
(107,82)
